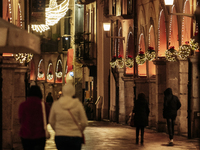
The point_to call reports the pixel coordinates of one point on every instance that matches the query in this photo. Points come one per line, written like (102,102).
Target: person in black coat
(141,110)
(171,105)
(49,99)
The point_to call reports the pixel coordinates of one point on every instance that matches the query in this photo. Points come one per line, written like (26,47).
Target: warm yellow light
(106,26)
(53,14)
(169,2)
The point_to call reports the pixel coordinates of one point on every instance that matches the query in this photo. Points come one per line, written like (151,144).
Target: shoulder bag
(83,136)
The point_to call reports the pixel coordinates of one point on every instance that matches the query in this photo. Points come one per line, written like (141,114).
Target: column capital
(160,61)
(193,59)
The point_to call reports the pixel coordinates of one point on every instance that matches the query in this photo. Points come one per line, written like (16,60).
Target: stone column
(128,95)
(182,114)
(194,98)
(13,93)
(121,96)
(160,87)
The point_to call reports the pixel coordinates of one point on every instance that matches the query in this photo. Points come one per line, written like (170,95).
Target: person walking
(141,110)
(68,119)
(171,105)
(30,113)
(49,99)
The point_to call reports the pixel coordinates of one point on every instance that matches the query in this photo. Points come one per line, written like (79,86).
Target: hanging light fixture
(53,14)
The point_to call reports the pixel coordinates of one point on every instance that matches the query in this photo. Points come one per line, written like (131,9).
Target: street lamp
(106,27)
(169,3)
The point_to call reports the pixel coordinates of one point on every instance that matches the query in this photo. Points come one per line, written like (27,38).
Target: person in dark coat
(49,99)
(171,105)
(141,110)
(32,131)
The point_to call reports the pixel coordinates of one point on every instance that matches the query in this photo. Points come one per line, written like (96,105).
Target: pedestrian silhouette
(32,131)
(49,99)
(68,119)
(171,105)
(141,110)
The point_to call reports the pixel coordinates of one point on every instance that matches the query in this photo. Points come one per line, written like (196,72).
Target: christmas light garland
(120,62)
(23,57)
(194,45)
(113,62)
(129,61)
(140,58)
(171,54)
(184,51)
(150,54)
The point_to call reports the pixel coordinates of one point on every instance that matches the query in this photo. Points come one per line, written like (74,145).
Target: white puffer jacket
(60,119)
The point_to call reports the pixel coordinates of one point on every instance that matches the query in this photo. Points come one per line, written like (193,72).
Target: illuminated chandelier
(53,14)
(23,57)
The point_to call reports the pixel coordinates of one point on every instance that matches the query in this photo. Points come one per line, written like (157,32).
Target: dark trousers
(137,134)
(33,144)
(170,126)
(68,143)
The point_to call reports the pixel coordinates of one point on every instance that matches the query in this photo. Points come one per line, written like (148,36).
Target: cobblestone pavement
(112,136)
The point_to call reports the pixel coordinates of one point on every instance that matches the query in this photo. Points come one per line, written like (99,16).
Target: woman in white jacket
(68,136)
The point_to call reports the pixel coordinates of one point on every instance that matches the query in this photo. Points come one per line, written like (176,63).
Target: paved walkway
(113,136)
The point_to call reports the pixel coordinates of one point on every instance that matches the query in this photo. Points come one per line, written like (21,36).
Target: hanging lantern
(129,61)
(184,51)
(23,57)
(113,62)
(120,62)
(150,54)
(171,54)
(140,58)
(194,45)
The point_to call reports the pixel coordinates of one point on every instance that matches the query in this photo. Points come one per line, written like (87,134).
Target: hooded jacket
(60,119)
(171,104)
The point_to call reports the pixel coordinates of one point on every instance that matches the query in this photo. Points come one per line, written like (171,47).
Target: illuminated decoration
(120,62)
(23,57)
(169,2)
(58,72)
(49,74)
(184,51)
(113,62)
(40,28)
(10,10)
(20,15)
(150,54)
(40,73)
(171,54)
(194,45)
(53,14)
(140,58)
(129,61)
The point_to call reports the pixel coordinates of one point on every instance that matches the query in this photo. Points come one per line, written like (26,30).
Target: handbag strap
(75,121)
(44,116)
